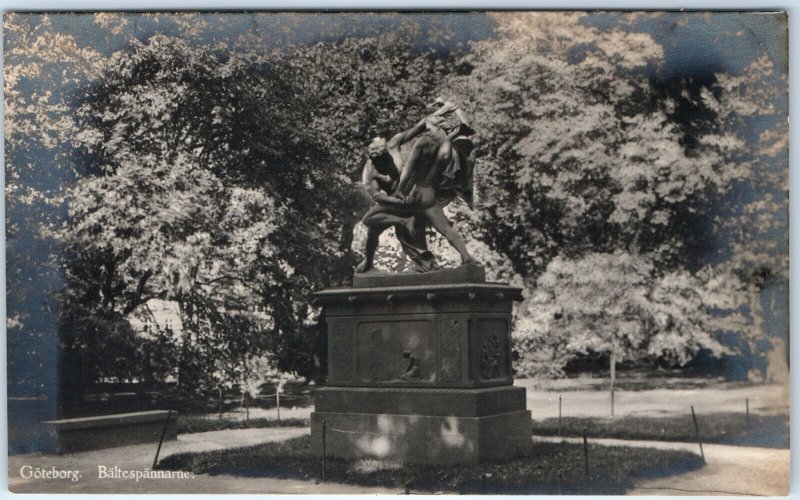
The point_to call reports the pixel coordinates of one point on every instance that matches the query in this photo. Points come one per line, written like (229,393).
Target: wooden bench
(107,431)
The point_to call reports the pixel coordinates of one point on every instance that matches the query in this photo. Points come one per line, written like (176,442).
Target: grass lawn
(189,424)
(723,428)
(551,468)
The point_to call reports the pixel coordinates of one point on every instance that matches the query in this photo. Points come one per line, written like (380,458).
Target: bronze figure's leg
(383,216)
(439,221)
(373,239)
(378,219)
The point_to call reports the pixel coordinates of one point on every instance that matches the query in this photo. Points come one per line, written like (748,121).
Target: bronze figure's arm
(369,179)
(393,145)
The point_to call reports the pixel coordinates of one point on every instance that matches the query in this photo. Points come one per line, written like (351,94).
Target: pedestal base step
(421,401)
(429,439)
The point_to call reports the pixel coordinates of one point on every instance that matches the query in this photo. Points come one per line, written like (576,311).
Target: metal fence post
(747,411)
(163,433)
(559,415)
(585,454)
(697,434)
(323,449)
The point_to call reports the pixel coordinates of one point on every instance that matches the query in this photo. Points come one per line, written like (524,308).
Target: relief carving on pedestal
(492,357)
(450,349)
(396,352)
(412,372)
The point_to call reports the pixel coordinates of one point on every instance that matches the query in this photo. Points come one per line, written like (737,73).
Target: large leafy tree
(575,156)
(583,158)
(42,70)
(205,187)
(221,179)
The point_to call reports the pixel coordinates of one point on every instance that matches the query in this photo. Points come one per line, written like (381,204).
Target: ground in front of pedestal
(551,468)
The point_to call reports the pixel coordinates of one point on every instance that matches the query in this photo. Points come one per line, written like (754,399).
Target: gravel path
(139,457)
(733,470)
(729,470)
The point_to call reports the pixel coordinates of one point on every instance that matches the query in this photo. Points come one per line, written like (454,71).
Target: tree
(574,157)
(613,305)
(580,158)
(41,68)
(270,143)
(188,200)
(753,219)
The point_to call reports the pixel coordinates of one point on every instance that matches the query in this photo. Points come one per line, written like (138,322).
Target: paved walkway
(140,457)
(729,470)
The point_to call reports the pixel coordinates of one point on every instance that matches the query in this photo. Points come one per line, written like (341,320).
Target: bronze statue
(381,176)
(439,168)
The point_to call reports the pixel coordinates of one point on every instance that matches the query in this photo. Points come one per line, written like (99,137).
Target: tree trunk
(613,369)
(220,403)
(777,366)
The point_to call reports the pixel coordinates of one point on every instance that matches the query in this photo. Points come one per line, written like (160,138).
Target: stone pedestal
(419,370)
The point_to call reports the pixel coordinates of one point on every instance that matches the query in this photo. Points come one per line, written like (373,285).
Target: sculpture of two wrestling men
(410,195)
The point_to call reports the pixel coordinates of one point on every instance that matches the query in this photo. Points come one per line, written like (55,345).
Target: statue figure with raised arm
(381,176)
(438,170)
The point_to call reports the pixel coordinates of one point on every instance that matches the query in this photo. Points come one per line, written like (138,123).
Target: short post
(408,489)
(697,434)
(163,433)
(613,370)
(323,449)
(747,412)
(278,401)
(247,406)
(559,415)
(612,402)
(585,454)
(220,403)
(558,484)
